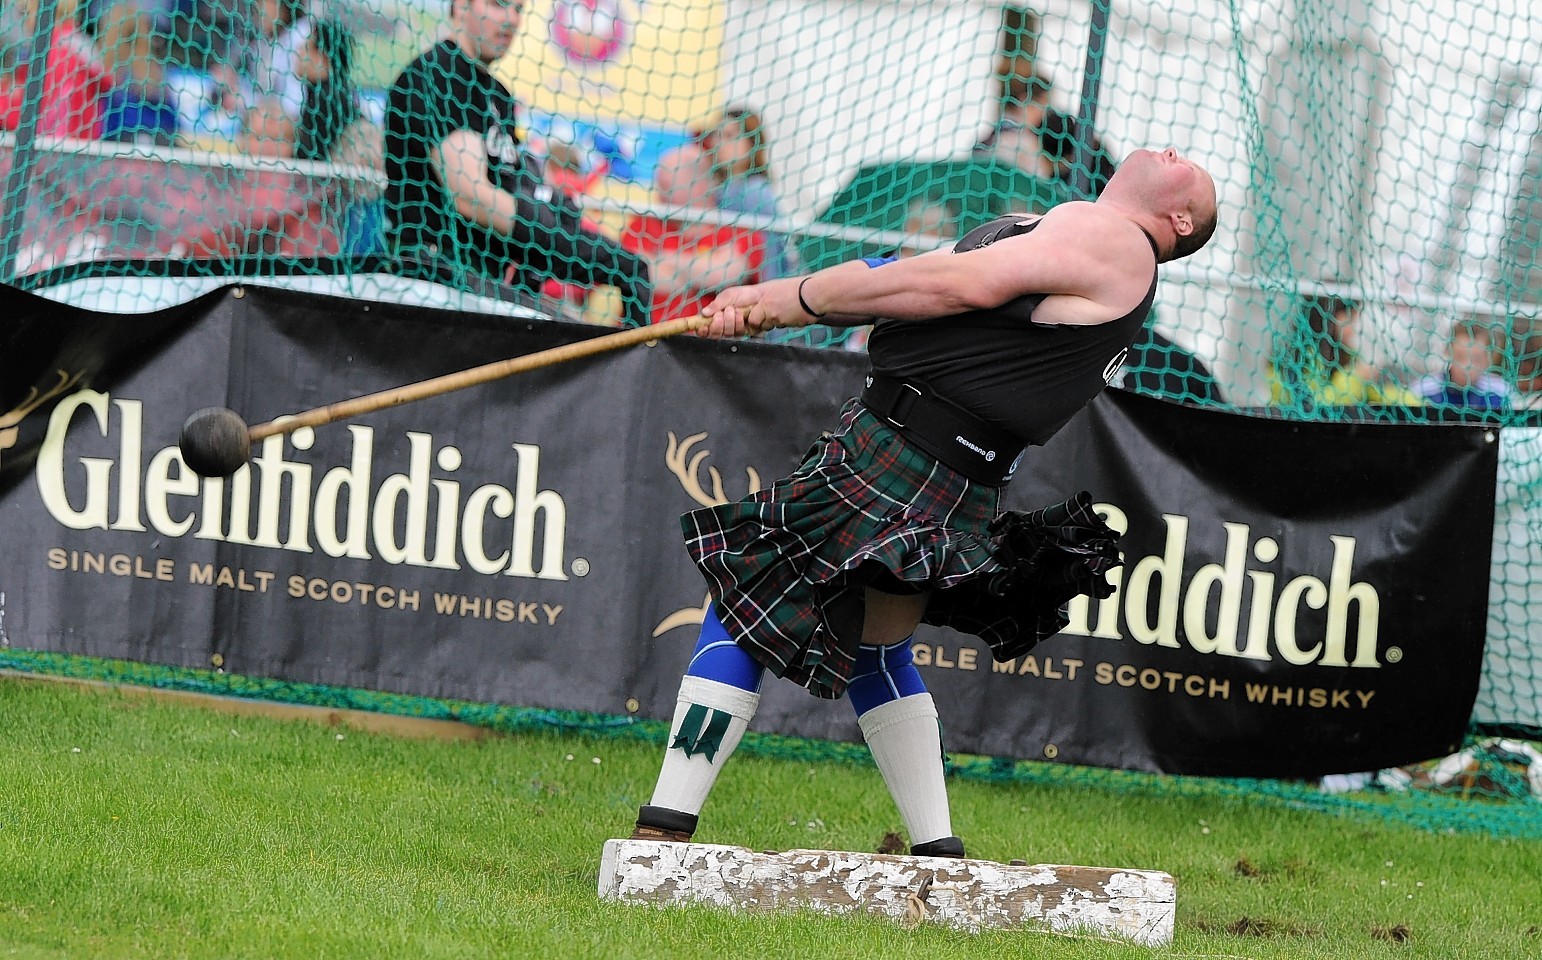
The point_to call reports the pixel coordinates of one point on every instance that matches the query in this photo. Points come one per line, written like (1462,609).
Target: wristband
(804,303)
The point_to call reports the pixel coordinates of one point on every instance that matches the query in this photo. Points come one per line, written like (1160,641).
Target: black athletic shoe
(943,847)
(662,823)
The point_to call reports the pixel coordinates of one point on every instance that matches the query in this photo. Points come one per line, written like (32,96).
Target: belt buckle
(891,416)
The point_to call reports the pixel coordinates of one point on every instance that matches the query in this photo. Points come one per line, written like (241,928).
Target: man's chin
(491,52)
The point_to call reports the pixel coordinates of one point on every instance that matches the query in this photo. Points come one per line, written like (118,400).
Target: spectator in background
(1527,346)
(329,102)
(76,78)
(1038,139)
(1016,136)
(691,261)
(741,165)
(262,59)
(362,146)
(929,224)
(138,106)
(1326,370)
(462,195)
(267,131)
(1469,383)
(332,127)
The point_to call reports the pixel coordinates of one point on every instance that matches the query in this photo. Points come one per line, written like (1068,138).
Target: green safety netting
(1379,168)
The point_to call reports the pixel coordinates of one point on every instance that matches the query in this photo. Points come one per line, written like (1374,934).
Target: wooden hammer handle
(345,409)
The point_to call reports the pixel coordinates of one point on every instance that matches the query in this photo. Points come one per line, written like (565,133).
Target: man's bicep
(1047,262)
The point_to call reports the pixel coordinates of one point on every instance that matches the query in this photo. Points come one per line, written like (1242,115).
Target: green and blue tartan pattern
(787,565)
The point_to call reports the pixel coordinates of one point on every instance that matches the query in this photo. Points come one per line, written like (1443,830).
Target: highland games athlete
(894,519)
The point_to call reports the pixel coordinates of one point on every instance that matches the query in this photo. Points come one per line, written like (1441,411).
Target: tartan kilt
(787,566)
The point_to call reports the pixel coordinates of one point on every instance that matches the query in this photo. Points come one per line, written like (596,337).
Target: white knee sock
(710,718)
(907,747)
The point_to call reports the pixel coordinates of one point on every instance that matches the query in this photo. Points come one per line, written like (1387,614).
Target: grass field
(132,827)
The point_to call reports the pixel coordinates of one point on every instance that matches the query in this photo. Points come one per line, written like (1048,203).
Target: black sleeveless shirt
(1023,377)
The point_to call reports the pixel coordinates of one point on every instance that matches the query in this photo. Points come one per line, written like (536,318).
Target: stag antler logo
(10,423)
(686,467)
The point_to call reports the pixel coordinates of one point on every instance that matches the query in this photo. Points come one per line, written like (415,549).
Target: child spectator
(691,261)
(1469,382)
(362,145)
(138,106)
(1527,346)
(929,223)
(741,166)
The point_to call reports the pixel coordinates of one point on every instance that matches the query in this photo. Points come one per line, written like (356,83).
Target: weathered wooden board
(973,895)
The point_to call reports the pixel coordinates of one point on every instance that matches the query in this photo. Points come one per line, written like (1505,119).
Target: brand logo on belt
(989,455)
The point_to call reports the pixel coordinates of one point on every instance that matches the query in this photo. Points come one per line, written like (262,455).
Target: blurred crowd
(264,78)
(275,80)
(1321,365)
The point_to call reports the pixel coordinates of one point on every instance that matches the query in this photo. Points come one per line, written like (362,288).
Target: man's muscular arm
(1094,265)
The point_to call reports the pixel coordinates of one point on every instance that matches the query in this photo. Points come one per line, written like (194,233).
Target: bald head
(1173,197)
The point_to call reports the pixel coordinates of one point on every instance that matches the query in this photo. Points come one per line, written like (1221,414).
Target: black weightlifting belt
(956,437)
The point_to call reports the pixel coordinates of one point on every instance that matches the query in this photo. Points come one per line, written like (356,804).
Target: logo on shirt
(1016,462)
(1114,365)
(500,145)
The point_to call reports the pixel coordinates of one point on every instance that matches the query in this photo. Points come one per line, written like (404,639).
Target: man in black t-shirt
(460,188)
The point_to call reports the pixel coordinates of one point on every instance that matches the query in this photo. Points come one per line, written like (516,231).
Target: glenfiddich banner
(1297,599)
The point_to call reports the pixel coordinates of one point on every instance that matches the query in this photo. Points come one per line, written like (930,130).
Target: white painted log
(970,895)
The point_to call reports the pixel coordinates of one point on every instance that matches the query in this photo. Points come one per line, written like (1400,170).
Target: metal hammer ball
(214,442)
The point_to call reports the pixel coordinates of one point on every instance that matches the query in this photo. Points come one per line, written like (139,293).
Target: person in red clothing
(691,261)
(76,79)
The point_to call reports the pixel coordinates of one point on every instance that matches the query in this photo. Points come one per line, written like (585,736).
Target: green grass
(131,827)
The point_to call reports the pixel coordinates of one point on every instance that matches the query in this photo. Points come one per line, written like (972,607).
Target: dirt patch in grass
(1246,926)
(1398,933)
